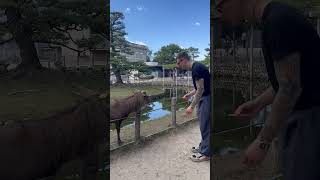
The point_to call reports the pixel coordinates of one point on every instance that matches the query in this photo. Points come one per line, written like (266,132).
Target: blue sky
(157,23)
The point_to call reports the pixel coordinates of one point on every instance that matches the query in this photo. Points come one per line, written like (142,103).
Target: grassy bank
(44,93)
(118,92)
(148,128)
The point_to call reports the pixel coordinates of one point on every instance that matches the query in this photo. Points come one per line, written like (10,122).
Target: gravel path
(166,157)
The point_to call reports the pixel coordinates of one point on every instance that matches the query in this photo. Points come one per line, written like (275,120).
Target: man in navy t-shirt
(291,48)
(201,93)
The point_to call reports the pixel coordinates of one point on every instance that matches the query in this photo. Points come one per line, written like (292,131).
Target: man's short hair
(183,55)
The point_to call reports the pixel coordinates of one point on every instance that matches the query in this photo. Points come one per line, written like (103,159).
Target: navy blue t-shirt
(287,31)
(200,71)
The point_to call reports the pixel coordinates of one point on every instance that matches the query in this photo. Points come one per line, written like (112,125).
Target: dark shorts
(301,146)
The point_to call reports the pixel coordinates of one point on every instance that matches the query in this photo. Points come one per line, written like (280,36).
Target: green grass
(117,92)
(54,94)
(169,66)
(149,128)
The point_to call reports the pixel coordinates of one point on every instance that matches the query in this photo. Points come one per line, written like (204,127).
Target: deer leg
(90,163)
(118,126)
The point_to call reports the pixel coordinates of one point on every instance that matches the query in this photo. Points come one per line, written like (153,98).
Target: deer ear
(144,92)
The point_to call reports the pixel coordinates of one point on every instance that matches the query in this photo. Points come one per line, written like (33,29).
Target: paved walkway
(166,157)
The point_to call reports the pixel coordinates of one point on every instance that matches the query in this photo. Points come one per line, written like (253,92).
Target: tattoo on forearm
(288,76)
(199,92)
(191,92)
(267,133)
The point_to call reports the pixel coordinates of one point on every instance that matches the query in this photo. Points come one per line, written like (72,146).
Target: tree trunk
(23,37)
(118,76)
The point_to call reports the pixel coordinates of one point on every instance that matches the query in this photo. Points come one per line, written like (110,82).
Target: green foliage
(141,67)
(206,60)
(119,46)
(301,4)
(117,34)
(194,52)
(52,21)
(169,66)
(166,55)
(149,56)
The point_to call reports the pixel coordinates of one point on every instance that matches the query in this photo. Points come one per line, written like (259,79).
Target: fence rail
(137,117)
(275,145)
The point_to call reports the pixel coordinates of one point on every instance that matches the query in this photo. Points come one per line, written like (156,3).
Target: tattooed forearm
(265,98)
(191,93)
(288,75)
(199,92)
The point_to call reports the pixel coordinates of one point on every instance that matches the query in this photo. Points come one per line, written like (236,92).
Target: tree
(50,21)
(149,55)
(206,60)
(194,52)
(166,55)
(301,3)
(118,43)
(119,47)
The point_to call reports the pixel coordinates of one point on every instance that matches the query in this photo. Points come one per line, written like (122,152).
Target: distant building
(139,53)
(155,68)
(49,54)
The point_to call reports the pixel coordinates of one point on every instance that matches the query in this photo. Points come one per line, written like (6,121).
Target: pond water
(158,109)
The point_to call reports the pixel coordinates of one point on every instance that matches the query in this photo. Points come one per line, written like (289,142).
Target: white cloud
(197,24)
(128,10)
(140,8)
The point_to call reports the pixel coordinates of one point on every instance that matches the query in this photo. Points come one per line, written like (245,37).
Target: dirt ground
(148,128)
(166,157)
(230,167)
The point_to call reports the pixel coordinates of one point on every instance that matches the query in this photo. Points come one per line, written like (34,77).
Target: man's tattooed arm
(199,92)
(288,75)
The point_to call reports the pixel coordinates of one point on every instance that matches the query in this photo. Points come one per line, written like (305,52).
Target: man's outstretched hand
(254,155)
(246,111)
(189,110)
(186,97)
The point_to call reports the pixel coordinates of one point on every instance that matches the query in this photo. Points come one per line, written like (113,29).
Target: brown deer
(37,148)
(120,109)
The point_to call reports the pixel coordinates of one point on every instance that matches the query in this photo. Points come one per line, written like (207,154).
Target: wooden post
(173,111)
(234,46)
(176,81)
(276,151)
(137,126)
(64,61)
(162,77)
(233,96)
(78,59)
(318,26)
(92,57)
(251,72)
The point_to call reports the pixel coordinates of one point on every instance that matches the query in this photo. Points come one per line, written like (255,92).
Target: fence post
(64,61)
(137,126)
(173,111)
(162,77)
(92,58)
(251,70)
